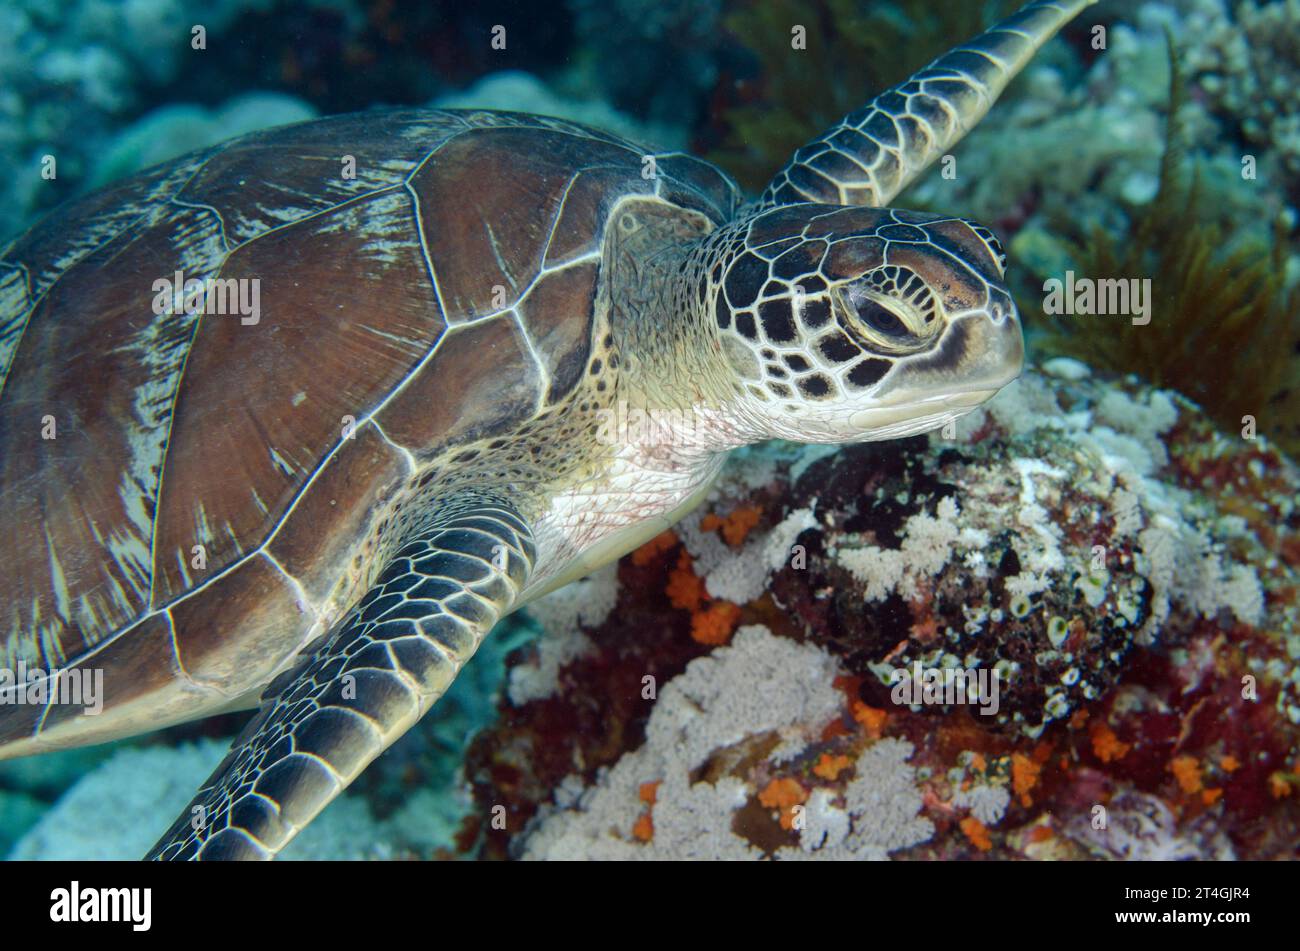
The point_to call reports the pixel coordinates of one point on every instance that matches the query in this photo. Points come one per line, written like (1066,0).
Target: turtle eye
(891,310)
(880,318)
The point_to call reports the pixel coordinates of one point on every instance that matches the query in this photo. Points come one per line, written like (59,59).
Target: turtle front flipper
(374,676)
(873,154)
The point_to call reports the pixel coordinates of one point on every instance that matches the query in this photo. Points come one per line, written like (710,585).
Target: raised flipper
(372,678)
(873,154)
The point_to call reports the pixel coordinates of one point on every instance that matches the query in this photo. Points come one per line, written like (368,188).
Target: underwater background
(1171,153)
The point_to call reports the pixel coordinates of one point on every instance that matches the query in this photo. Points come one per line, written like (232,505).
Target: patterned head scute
(828,314)
(991,242)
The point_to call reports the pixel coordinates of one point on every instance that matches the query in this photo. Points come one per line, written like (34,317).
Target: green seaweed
(852,55)
(1223,327)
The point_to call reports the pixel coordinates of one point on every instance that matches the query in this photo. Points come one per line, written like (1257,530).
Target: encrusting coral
(1247,63)
(734,722)
(1118,564)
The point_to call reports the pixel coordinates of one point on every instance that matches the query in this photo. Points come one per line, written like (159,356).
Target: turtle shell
(188,487)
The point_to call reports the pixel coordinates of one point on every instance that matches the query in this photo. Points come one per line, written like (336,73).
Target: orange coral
(1041,833)
(780,793)
(1210,796)
(1188,773)
(713,625)
(1229,763)
(1106,745)
(977,832)
(1278,786)
(736,526)
(685,589)
(829,767)
(871,718)
(783,794)
(1024,777)
(653,548)
(644,830)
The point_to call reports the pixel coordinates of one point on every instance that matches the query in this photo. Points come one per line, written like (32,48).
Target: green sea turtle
(273,433)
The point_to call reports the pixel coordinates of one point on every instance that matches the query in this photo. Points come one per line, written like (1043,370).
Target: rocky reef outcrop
(1065,627)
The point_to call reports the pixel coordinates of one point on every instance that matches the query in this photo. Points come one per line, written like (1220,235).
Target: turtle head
(855,324)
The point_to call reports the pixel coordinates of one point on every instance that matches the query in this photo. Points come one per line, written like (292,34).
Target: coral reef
(1110,105)
(71,74)
(1116,562)
(1247,63)
(1216,290)
(656,59)
(1142,828)
(75,75)
(742,711)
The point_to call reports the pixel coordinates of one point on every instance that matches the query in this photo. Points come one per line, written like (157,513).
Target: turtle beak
(996,347)
(980,352)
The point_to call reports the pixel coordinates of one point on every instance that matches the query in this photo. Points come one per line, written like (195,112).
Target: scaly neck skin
(675,389)
(670,412)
